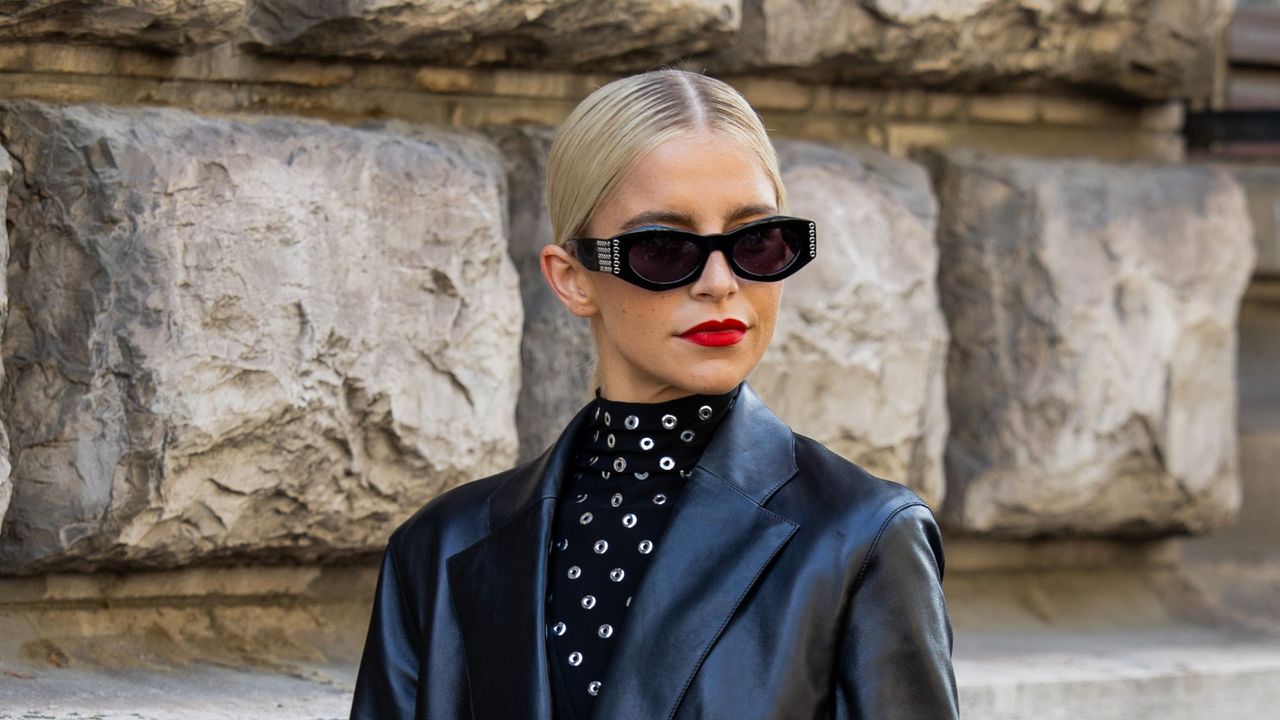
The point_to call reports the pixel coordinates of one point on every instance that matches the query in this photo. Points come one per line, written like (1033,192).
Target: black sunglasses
(663,258)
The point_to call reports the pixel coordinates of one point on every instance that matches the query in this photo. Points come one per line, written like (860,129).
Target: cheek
(766,301)
(635,315)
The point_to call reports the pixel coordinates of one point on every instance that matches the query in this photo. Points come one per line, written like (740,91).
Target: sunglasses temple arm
(585,252)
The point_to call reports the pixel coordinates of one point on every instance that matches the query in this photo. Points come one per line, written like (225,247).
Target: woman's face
(702,182)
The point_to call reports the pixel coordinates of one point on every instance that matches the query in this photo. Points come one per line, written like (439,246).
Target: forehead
(700,180)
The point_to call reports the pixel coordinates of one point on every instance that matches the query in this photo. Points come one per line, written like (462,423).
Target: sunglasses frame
(607,254)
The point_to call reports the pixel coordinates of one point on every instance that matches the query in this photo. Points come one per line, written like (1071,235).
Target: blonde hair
(622,120)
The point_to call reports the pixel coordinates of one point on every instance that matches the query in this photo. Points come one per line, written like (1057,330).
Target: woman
(679,552)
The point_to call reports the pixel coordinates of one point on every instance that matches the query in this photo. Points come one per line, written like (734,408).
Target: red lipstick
(716,333)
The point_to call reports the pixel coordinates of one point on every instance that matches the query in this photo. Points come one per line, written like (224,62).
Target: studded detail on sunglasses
(663,258)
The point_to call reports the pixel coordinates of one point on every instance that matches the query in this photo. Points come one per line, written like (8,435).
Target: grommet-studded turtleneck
(630,464)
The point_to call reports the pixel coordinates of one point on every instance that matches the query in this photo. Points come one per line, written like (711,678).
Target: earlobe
(567,279)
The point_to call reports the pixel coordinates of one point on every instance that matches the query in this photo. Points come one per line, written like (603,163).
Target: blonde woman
(679,552)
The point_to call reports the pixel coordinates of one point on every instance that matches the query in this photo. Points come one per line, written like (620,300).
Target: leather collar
(717,541)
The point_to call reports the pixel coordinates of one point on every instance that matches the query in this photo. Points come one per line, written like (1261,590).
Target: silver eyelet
(666,463)
(642,475)
(575,658)
(563,544)
(594,687)
(659,499)
(616,500)
(704,412)
(610,441)
(585,518)
(605,474)
(617,574)
(559,628)
(646,443)
(606,418)
(632,422)
(629,520)
(686,435)
(619,464)
(668,421)
(646,547)
(601,546)
(582,497)
(575,572)
(588,601)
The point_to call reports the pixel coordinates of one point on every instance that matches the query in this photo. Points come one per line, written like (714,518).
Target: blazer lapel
(497,585)
(716,544)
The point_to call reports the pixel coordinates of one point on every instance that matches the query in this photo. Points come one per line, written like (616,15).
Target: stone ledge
(1117,639)
(223,65)
(207,584)
(1180,673)
(1175,673)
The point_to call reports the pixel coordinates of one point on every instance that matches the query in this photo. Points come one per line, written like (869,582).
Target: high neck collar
(625,442)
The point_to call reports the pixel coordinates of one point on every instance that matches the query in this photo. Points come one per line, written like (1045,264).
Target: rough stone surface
(550,33)
(1148,48)
(261,339)
(1261,182)
(859,351)
(556,349)
(1091,376)
(169,25)
(6,464)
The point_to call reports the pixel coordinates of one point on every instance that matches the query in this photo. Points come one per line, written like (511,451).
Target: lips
(716,333)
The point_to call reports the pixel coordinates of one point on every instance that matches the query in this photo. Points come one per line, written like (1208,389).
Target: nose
(717,279)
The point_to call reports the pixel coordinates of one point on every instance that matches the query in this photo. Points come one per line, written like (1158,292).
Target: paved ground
(196,692)
(1174,673)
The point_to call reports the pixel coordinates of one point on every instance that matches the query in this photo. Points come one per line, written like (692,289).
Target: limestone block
(1091,376)
(169,25)
(1261,182)
(6,464)
(256,338)
(859,350)
(556,349)
(545,33)
(1148,48)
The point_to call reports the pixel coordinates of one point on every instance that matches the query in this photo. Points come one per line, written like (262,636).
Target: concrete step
(1185,673)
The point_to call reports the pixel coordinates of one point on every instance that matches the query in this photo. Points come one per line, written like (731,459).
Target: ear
(568,279)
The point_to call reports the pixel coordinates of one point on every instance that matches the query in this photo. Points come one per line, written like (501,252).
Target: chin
(714,380)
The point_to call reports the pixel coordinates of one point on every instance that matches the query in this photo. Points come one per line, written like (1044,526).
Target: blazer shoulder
(846,492)
(452,519)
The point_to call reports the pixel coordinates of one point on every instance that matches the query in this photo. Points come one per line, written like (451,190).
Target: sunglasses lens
(770,249)
(663,258)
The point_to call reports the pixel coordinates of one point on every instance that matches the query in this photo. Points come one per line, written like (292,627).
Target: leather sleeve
(386,683)
(894,660)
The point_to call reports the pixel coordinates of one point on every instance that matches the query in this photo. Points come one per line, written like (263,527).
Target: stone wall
(247,338)
(6,463)
(1091,377)
(274,285)
(1143,48)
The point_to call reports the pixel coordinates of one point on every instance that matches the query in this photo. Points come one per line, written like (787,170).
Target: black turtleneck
(629,467)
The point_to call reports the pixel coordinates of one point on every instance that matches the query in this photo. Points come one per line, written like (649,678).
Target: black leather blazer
(790,583)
